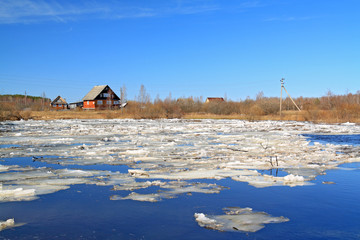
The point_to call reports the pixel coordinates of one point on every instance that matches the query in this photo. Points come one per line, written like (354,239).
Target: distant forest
(328,108)
(21,102)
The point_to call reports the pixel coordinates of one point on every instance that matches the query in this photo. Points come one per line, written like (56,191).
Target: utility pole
(283,87)
(25,100)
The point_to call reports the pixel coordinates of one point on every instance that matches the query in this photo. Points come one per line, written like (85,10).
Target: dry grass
(319,116)
(327,109)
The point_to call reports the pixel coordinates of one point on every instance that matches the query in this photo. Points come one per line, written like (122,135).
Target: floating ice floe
(10,223)
(25,184)
(168,190)
(133,185)
(237,219)
(153,197)
(7,224)
(16,194)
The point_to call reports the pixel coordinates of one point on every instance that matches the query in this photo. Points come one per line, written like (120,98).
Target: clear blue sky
(208,48)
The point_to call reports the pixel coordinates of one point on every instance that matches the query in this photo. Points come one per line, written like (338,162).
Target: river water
(328,208)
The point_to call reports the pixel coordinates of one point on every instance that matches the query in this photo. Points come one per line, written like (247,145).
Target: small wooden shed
(76,105)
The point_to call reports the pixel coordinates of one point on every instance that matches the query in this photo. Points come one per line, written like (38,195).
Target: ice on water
(167,190)
(163,154)
(7,224)
(237,219)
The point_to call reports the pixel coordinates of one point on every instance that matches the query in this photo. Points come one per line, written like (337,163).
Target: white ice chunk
(348,124)
(17,194)
(204,221)
(3,168)
(154,197)
(7,224)
(268,180)
(237,219)
(138,173)
(292,178)
(130,186)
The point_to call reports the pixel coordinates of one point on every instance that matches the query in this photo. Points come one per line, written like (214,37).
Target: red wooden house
(59,103)
(101,97)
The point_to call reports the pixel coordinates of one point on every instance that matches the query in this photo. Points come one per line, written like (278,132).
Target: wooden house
(214,99)
(101,97)
(59,103)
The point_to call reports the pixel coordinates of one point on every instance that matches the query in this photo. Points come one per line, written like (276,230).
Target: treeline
(22,102)
(328,108)
(16,107)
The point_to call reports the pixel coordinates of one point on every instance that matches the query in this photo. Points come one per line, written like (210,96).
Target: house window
(105,94)
(108,102)
(116,102)
(87,102)
(99,102)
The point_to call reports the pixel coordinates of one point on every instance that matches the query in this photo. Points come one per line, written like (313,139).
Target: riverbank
(311,116)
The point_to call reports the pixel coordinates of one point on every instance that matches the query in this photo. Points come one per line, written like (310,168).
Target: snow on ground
(170,152)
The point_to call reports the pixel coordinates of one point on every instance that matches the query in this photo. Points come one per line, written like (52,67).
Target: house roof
(58,100)
(216,99)
(94,92)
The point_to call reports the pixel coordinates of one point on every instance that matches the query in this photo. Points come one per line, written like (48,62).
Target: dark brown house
(101,97)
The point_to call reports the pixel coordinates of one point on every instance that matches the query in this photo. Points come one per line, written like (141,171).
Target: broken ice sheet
(261,181)
(167,150)
(181,187)
(237,219)
(173,189)
(152,197)
(16,194)
(133,185)
(27,183)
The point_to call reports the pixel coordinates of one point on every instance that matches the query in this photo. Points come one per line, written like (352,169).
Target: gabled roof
(94,92)
(97,90)
(215,99)
(59,100)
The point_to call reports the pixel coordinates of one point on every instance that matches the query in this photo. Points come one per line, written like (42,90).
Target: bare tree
(168,98)
(123,94)
(259,96)
(144,97)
